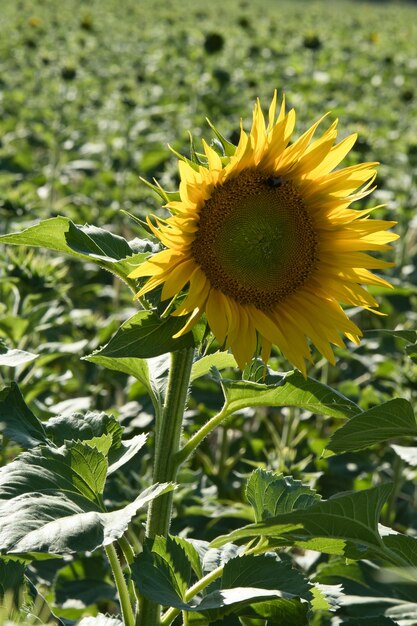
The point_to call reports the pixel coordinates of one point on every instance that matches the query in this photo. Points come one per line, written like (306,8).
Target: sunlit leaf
(352,516)
(219,360)
(13,358)
(271,494)
(144,336)
(109,251)
(292,390)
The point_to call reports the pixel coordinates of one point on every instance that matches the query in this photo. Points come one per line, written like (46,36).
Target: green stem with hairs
(125,605)
(165,464)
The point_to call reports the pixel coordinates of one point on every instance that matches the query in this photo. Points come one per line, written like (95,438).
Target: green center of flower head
(255,240)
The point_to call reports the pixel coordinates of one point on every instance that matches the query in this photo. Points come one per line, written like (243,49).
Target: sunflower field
(208,313)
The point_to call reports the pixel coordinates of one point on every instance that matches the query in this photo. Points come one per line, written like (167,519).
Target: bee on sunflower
(265,244)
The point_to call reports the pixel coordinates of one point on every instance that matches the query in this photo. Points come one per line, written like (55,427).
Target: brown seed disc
(255,240)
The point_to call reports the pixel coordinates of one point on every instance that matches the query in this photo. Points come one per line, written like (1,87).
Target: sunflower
(265,245)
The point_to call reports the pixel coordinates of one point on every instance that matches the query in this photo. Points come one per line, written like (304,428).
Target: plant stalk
(165,464)
(127,612)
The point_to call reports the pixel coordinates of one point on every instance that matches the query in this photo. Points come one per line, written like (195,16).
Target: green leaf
(219,360)
(13,358)
(292,390)
(162,572)
(88,467)
(150,372)
(95,242)
(326,597)
(17,420)
(271,494)
(352,516)
(407,335)
(83,426)
(61,523)
(192,555)
(405,547)
(87,242)
(102,443)
(278,611)
(144,336)
(127,451)
(387,421)
(76,468)
(248,581)
(93,427)
(265,572)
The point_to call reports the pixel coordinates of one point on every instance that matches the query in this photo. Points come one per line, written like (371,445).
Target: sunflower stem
(122,589)
(165,464)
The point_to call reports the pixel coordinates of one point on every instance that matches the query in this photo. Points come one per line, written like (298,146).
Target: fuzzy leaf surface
(271,494)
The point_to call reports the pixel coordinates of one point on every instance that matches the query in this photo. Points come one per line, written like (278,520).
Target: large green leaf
(352,517)
(258,585)
(95,242)
(23,426)
(17,420)
(162,573)
(387,421)
(56,498)
(58,524)
(143,336)
(292,390)
(109,251)
(75,468)
(271,494)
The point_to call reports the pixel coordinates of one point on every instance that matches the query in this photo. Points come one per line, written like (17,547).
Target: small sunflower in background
(264,244)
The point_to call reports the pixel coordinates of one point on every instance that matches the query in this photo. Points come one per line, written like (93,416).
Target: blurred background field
(91,93)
